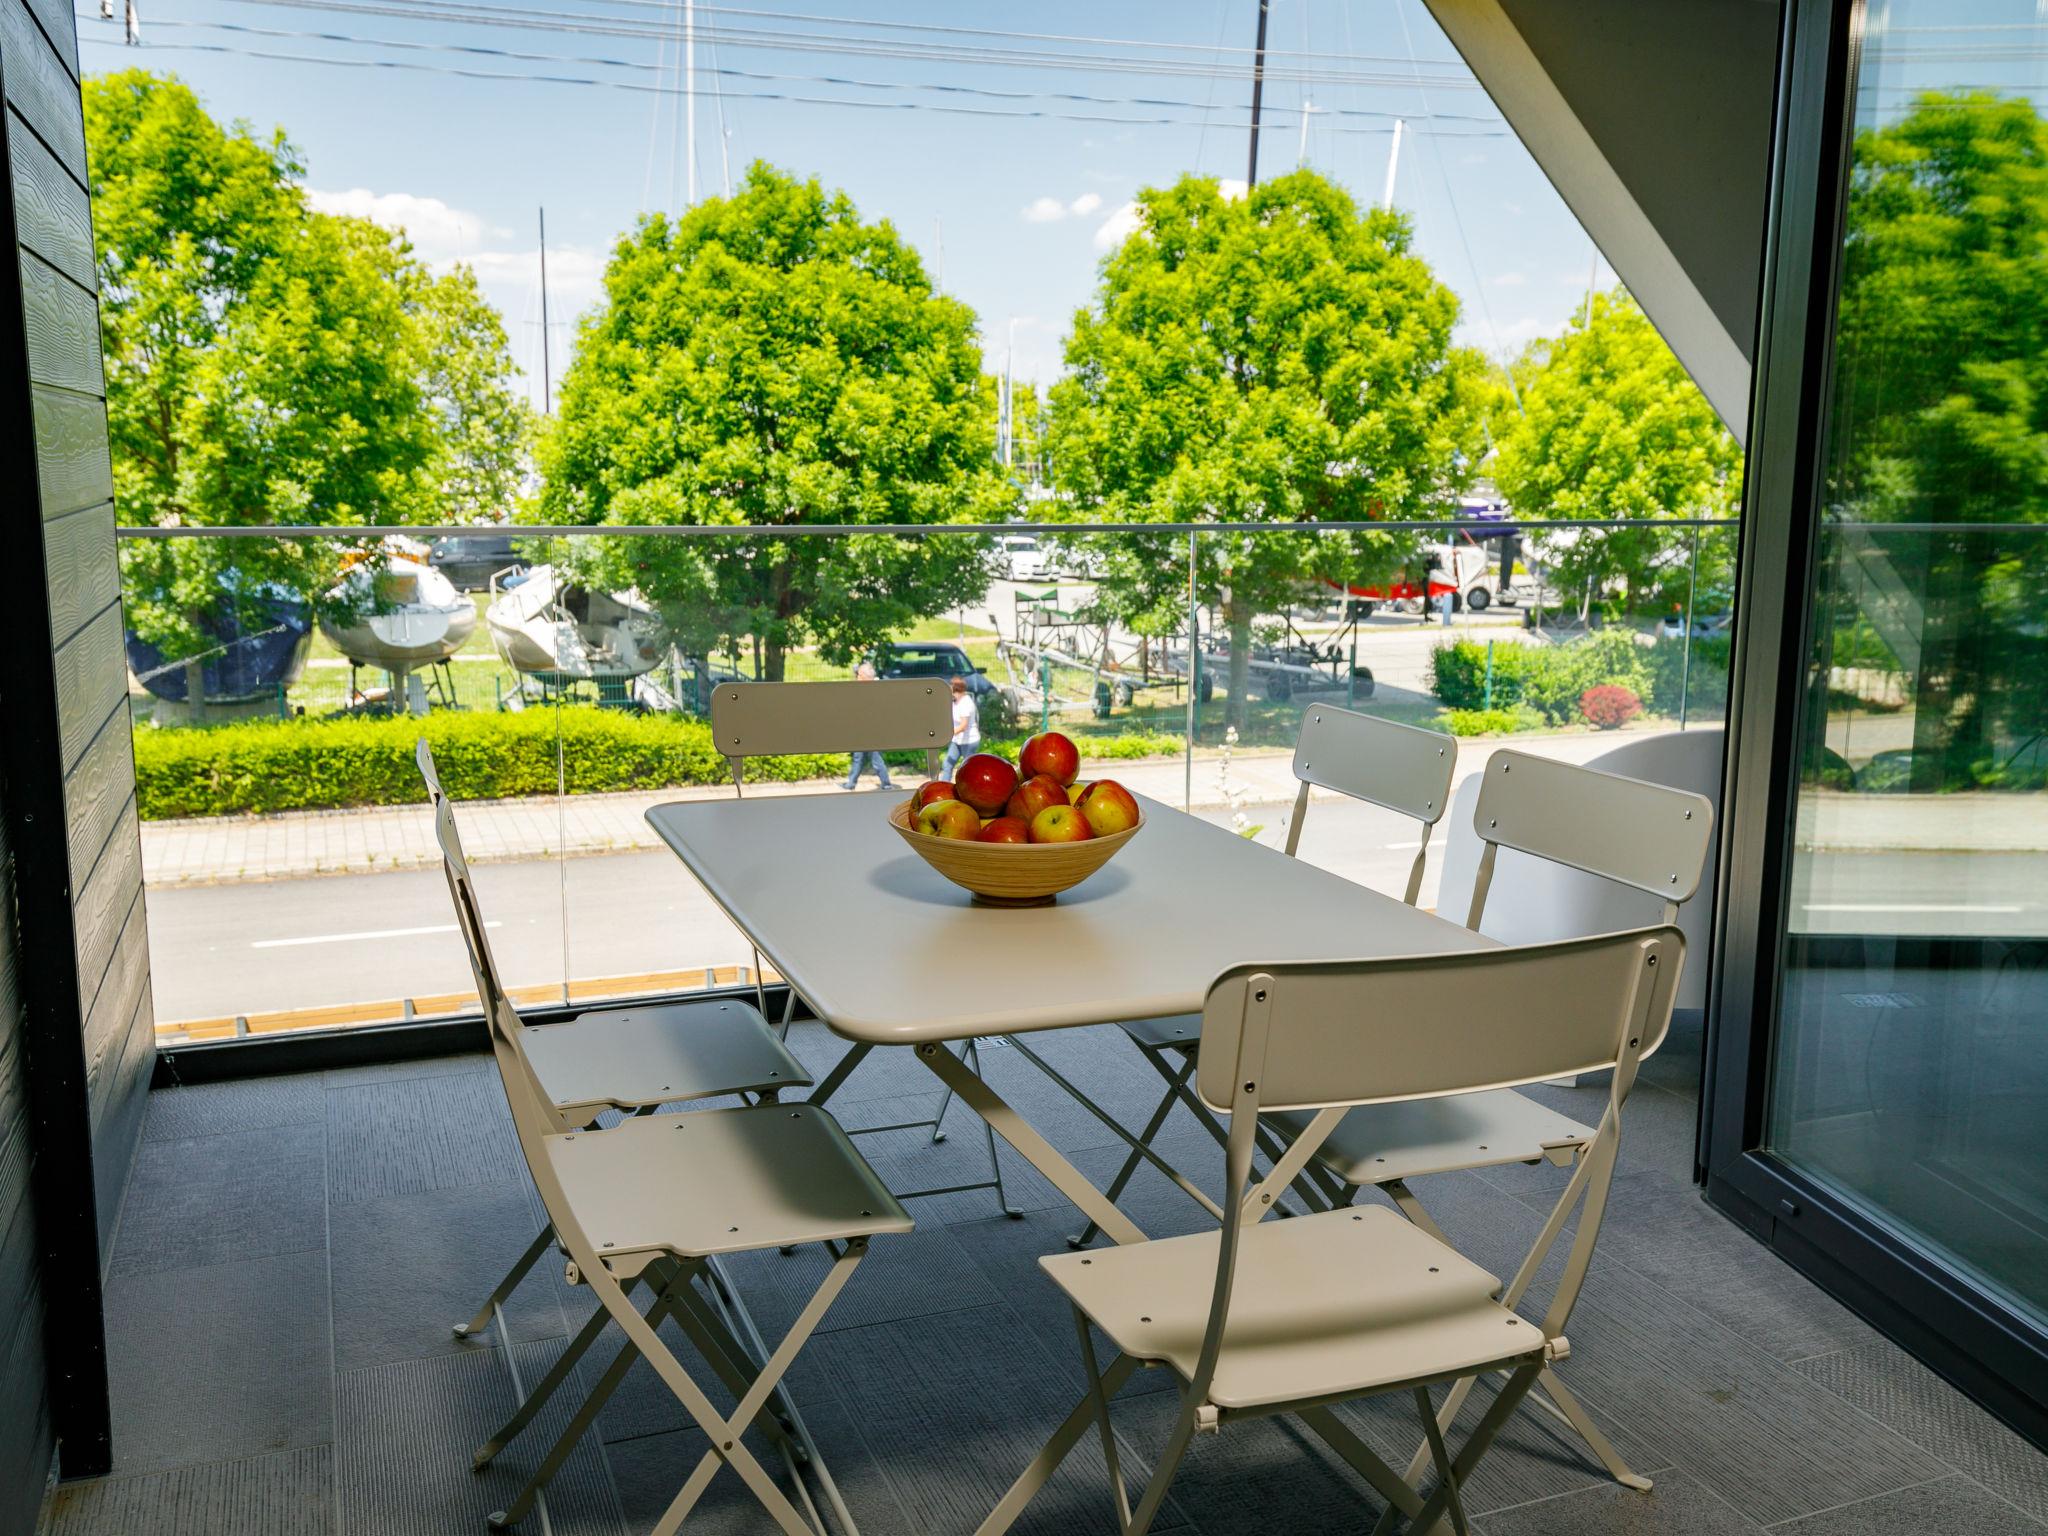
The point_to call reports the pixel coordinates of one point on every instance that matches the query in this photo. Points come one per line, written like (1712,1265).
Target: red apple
(985,782)
(1076,793)
(949,818)
(1109,808)
(1034,795)
(937,789)
(1060,824)
(1051,754)
(1007,829)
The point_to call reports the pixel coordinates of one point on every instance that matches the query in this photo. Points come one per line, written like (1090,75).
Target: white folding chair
(658,1202)
(1645,837)
(635,1058)
(1295,1316)
(892,715)
(1397,767)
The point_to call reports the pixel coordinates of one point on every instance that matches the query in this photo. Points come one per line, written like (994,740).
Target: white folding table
(887,952)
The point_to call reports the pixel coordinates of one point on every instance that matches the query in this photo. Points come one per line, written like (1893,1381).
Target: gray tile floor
(293,1251)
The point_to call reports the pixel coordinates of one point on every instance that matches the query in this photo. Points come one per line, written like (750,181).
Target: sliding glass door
(1885,1094)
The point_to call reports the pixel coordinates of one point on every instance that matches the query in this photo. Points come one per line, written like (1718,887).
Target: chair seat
(1175,1032)
(1327,1305)
(1380,1142)
(628,1058)
(718,1181)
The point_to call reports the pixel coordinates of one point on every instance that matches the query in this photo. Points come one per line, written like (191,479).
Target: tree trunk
(195,690)
(785,605)
(1237,711)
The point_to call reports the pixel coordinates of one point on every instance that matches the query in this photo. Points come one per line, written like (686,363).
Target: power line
(661,67)
(533,18)
(665,90)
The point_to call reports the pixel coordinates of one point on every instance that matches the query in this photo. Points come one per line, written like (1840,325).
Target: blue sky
(1021,204)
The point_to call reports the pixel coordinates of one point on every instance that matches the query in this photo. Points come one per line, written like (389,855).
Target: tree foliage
(771,359)
(1280,356)
(269,363)
(1610,425)
(1941,416)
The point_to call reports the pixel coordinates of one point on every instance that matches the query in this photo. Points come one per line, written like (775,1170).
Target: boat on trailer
(546,626)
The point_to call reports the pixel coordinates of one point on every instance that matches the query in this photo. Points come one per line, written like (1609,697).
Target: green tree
(770,359)
(1281,356)
(1941,417)
(269,363)
(1612,426)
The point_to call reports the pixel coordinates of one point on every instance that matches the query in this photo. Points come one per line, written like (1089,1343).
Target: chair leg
(543,1389)
(971,1057)
(1482,1436)
(507,1285)
(1087,1234)
(1446,1469)
(725,1433)
(1102,1419)
(1162,1472)
(1574,1413)
(1053,1452)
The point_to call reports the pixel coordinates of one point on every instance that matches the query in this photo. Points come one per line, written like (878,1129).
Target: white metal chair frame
(1323,1039)
(762,1082)
(1646,836)
(1400,768)
(754,1377)
(892,715)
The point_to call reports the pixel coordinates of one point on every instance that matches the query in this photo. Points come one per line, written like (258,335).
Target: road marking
(1901,906)
(369,933)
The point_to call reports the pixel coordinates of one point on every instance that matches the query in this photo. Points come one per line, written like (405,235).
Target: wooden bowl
(1011,874)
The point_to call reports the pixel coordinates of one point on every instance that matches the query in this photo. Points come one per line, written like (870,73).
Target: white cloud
(1509,280)
(1118,227)
(1045,210)
(1085,204)
(439,233)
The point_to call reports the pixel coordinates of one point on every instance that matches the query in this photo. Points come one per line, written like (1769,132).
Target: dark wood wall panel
(120,989)
(60,27)
(92,676)
(25,1433)
(41,88)
(85,577)
(84,1017)
(100,788)
(63,328)
(72,466)
(102,905)
(52,215)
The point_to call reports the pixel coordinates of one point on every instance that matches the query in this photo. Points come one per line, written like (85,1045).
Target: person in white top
(864,673)
(966,728)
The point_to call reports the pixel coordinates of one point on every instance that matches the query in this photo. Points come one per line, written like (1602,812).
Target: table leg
(1031,1146)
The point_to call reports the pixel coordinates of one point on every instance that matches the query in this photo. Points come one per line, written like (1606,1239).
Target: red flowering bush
(1609,706)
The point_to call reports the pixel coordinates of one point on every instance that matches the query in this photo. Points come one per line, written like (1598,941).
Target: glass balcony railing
(564,680)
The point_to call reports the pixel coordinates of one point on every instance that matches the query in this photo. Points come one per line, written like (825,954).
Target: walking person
(865,673)
(966,728)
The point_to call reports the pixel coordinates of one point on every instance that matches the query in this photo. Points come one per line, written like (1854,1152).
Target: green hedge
(1493,722)
(298,765)
(1547,678)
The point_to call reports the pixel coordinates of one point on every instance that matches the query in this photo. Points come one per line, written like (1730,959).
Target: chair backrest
(1330,1036)
(1400,767)
(523,1091)
(1649,837)
(1353,1032)
(777,719)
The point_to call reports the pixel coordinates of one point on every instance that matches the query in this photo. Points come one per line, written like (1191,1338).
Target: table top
(888,951)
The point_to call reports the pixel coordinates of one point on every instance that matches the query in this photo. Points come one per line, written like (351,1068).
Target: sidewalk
(295,845)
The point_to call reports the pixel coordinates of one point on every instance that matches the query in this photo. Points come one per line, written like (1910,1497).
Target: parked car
(1024,558)
(923,658)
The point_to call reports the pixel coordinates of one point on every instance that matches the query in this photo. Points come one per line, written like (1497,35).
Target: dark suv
(922,658)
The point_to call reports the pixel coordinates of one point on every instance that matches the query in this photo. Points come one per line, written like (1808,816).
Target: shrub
(1609,706)
(1492,722)
(1549,678)
(297,765)
(1671,681)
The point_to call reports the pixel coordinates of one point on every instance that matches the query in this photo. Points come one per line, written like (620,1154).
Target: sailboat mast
(690,92)
(546,379)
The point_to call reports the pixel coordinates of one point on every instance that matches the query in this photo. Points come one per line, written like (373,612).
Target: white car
(1023,558)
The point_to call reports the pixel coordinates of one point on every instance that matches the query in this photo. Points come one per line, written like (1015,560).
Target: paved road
(228,949)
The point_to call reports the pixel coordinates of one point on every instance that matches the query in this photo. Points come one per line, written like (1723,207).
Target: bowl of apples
(1016,835)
